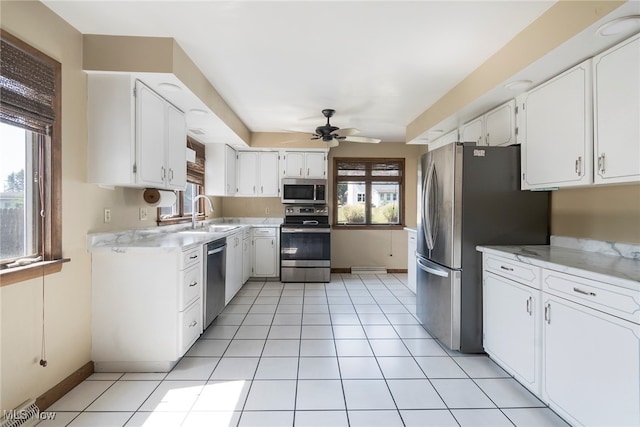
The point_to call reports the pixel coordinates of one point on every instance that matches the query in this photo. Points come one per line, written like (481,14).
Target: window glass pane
(351,173)
(169,211)
(18,199)
(189,193)
(384,203)
(351,202)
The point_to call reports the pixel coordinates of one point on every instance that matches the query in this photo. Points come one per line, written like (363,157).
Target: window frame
(52,233)
(368,179)
(195,175)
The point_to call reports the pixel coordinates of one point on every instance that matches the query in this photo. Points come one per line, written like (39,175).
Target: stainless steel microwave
(298,190)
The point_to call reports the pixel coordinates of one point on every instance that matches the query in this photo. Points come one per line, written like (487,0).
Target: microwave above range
(304,191)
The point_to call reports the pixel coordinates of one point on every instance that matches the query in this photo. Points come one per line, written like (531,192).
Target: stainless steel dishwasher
(214,273)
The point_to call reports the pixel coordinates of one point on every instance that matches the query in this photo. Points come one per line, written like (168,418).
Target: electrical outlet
(107,215)
(143,214)
(267,211)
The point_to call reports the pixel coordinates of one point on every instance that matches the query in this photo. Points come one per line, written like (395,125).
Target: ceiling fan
(332,134)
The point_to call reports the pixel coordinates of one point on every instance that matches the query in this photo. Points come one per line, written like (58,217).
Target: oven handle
(306,230)
(310,222)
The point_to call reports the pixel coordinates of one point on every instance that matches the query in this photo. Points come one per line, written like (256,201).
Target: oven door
(305,246)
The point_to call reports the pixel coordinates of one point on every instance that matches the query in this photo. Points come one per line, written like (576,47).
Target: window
(368,192)
(182,208)
(30,163)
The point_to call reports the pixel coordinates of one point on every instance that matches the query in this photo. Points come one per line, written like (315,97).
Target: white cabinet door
(264,257)
(268,181)
(247,173)
(150,137)
(555,120)
(316,165)
(233,272)
(511,328)
(294,164)
(246,260)
(617,113)
(473,131)
(176,162)
(412,245)
(591,367)
(500,125)
(230,171)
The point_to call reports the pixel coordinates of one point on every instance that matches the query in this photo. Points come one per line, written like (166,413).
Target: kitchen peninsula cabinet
(136,137)
(555,129)
(304,164)
(146,307)
(589,322)
(616,74)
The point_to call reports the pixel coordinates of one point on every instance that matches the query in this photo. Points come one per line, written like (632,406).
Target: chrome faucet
(194,211)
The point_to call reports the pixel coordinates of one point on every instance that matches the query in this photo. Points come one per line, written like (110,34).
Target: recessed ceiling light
(198,112)
(517,85)
(625,24)
(169,87)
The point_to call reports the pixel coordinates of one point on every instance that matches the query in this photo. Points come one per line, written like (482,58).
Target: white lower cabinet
(246,255)
(146,308)
(573,341)
(412,245)
(234,267)
(512,328)
(266,247)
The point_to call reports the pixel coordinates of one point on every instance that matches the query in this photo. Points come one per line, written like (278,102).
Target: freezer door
(440,206)
(438,301)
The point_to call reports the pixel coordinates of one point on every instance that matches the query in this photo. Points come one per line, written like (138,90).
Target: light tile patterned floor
(345,353)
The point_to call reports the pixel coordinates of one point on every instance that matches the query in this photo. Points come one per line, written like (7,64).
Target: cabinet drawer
(190,287)
(191,257)
(264,231)
(246,232)
(190,323)
(620,302)
(523,273)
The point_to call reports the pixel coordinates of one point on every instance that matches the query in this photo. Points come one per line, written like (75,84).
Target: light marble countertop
(613,269)
(410,230)
(171,237)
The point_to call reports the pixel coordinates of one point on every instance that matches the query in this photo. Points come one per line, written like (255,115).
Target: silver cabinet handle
(580,291)
(193,256)
(162,173)
(308,171)
(506,268)
(529,306)
(300,171)
(579,166)
(192,284)
(254,189)
(601,163)
(192,324)
(262,189)
(547,313)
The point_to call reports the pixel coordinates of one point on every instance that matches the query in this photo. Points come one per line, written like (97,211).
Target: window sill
(367,227)
(10,276)
(179,220)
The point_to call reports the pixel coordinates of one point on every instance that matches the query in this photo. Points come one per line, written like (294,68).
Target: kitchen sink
(209,229)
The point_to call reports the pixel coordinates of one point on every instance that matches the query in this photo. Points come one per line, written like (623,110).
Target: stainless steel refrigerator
(468,195)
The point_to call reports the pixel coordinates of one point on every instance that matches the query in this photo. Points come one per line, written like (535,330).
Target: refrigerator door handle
(429,186)
(431,269)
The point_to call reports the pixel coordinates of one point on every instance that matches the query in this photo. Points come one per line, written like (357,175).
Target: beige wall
(255,207)
(600,213)
(382,248)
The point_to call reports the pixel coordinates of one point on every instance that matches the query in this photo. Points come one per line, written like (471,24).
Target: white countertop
(616,270)
(172,237)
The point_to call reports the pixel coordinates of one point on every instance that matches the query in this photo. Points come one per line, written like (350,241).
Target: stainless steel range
(305,244)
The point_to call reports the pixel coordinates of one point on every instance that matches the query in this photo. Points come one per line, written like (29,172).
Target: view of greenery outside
(383,212)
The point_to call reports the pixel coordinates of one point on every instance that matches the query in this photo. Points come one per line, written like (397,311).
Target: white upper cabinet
(473,131)
(136,137)
(500,125)
(257,173)
(304,164)
(555,129)
(617,113)
(246,173)
(220,170)
(497,127)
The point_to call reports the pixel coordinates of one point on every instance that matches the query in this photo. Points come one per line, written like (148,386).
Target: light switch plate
(107,215)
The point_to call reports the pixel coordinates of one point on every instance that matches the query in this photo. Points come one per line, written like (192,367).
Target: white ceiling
(379,64)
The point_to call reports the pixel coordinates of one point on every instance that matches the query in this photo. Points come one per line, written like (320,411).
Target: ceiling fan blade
(362,139)
(346,132)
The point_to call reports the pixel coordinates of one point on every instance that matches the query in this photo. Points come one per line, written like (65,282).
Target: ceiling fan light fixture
(625,24)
